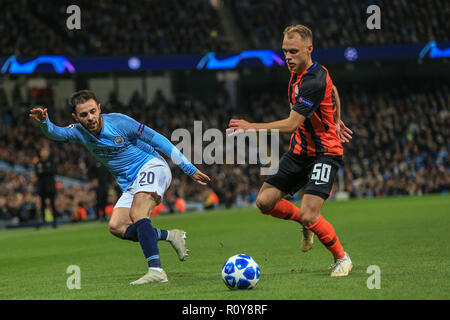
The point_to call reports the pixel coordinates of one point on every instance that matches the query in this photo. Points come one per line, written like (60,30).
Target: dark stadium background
(394,99)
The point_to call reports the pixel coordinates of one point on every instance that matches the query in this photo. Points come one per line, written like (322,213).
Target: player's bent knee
(115,228)
(264,205)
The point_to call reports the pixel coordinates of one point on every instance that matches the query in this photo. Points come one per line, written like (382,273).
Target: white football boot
(152,276)
(177,239)
(341,267)
(307,239)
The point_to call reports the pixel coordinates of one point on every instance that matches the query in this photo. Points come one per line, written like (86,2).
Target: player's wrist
(190,169)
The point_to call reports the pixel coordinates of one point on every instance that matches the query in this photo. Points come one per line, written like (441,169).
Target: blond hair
(302,30)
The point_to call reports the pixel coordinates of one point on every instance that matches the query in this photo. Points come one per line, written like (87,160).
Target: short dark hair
(80,97)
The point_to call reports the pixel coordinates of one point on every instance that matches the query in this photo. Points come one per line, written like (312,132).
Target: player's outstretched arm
(49,129)
(287,125)
(161,143)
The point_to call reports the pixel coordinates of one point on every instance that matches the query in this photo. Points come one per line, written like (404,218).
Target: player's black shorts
(315,175)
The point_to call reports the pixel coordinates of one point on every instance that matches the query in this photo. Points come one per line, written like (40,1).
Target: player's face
(88,114)
(297,52)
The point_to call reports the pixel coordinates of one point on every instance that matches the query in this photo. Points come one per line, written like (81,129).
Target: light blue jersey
(123,146)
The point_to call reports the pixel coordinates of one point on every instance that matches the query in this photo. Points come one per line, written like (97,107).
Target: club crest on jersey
(119,140)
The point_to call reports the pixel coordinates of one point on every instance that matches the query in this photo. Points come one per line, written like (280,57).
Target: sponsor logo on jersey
(305,102)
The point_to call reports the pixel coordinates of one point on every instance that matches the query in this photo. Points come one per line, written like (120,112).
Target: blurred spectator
(102,180)
(4,212)
(158,209)
(79,214)
(45,172)
(212,200)
(180,205)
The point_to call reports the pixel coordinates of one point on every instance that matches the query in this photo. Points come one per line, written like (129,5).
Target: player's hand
(39,114)
(344,133)
(200,178)
(238,126)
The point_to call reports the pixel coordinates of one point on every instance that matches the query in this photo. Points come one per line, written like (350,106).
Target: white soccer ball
(240,272)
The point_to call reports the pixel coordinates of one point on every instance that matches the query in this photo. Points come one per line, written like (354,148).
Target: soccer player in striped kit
(129,150)
(315,151)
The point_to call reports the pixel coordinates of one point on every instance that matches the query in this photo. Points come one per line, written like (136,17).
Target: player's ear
(99,109)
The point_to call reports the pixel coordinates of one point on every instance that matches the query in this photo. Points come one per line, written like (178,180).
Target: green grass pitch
(407,238)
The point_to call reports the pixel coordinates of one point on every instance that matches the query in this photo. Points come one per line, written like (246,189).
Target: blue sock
(149,242)
(131,233)
(161,234)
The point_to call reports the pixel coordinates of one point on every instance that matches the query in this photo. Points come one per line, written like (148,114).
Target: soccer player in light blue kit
(129,150)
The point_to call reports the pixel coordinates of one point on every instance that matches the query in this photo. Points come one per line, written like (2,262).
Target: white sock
(168,233)
(157,269)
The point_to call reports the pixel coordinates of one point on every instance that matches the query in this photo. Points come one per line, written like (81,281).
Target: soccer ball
(240,272)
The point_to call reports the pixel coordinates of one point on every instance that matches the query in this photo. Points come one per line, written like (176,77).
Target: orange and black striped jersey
(311,95)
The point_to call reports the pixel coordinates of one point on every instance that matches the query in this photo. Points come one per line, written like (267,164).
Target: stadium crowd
(24,34)
(400,147)
(401,142)
(402,22)
(111,28)
(194,27)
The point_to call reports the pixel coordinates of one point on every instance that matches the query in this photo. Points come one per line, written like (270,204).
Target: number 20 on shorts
(146,178)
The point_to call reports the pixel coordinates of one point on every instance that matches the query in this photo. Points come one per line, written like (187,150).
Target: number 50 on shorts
(321,173)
